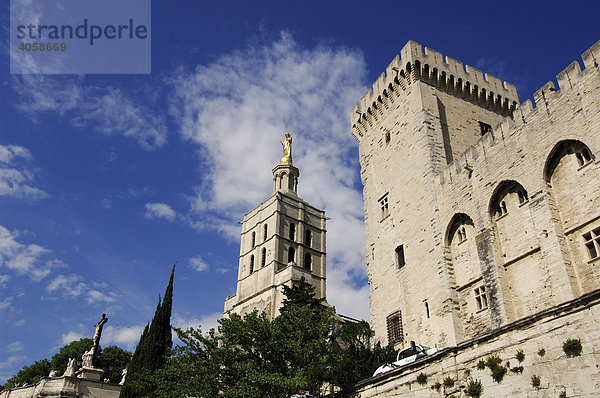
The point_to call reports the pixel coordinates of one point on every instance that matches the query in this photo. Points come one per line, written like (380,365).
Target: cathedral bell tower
(283,239)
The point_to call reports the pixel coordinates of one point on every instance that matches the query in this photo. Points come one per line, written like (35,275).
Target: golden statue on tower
(287,149)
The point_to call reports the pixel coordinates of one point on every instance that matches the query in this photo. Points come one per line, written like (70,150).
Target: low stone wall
(547,330)
(65,386)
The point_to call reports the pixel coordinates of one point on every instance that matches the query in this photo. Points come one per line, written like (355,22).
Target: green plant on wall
(572,347)
(448,382)
(563,394)
(536,381)
(422,378)
(436,386)
(517,369)
(481,364)
(520,356)
(474,388)
(541,352)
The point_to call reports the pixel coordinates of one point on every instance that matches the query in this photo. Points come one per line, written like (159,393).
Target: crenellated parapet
(544,100)
(446,74)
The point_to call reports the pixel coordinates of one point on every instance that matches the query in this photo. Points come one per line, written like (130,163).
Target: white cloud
(5,304)
(105,110)
(71,336)
(3,280)
(127,336)
(15,346)
(19,323)
(73,285)
(110,111)
(160,210)
(198,264)
(24,259)
(205,322)
(11,361)
(236,109)
(16,173)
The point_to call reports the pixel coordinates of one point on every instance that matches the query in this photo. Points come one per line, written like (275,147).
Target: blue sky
(107,180)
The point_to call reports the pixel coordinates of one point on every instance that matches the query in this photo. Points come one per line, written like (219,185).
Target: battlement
(417,64)
(544,98)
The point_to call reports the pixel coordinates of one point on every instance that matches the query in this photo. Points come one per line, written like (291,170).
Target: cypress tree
(152,350)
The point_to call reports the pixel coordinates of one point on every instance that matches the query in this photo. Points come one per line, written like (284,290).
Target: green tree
(112,360)
(354,356)
(30,374)
(152,350)
(74,349)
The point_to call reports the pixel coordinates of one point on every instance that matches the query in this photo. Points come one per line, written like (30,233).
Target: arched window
(308,238)
(263,259)
(291,255)
(292,231)
(252,263)
(253,239)
(265,232)
(307,261)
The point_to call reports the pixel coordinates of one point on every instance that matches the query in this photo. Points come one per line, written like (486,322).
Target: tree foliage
(112,360)
(74,349)
(30,374)
(252,356)
(152,350)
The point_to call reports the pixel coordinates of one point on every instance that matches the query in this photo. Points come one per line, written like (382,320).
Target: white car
(407,355)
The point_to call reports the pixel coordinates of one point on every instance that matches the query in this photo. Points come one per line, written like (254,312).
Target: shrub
(493,361)
(422,378)
(448,382)
(498,373)
(563,395)
(474,388)
(481,364)
(517,369)
(436,386)
(572,347)
(520,356)
(536,381)
(541,352)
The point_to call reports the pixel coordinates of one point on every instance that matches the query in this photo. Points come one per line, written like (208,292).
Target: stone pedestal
(90,373)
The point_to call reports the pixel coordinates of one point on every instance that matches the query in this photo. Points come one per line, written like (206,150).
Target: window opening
(263,260)
(383,205)
(427,309)
(394,328)
(592,242)
(265,232)
(252,263)
(583,156)
(308,238)
(387,137)
(522,196)
(480,298)
(292,231)
(462,234)
(307,261)
(253,239)
(484,128)
(291,255)
(400,261)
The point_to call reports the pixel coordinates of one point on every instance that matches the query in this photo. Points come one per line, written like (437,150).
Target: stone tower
(283,239)
(420,115)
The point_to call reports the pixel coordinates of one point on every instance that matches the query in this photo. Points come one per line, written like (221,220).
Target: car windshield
(410,351)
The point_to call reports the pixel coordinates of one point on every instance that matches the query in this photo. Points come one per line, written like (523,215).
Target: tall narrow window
(592,242)
(263,259)
(292,231)
(253,239)
(265,232)
(308,238)
(394,328)
(291,255)
(307,261)
(383,206)
(427,309)
(480,298)
(400,261)
(252,263)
